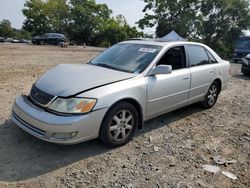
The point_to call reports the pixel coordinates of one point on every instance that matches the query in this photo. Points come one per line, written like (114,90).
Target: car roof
(165,44)
(160,43)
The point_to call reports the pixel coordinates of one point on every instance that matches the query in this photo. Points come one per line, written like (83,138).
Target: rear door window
(197,56)
(211,58)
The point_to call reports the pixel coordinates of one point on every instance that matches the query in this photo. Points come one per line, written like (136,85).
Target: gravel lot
(168,152)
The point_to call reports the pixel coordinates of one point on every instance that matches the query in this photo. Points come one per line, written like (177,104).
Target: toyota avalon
(112,95)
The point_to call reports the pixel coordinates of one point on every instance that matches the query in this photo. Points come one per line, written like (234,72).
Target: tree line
(216,23)
(82,21)
(7,31)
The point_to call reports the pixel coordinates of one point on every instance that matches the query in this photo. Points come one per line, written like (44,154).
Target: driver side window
(175,57)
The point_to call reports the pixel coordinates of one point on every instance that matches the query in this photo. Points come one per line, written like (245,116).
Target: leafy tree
(87,16)
(36,21)
(81,20)
(116,30)
(46,16)
(168,15)
(58,15)
(216,23)
(221,22)
(6,29)
(21,34)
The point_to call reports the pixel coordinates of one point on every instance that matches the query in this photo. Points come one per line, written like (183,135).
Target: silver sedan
(112,95)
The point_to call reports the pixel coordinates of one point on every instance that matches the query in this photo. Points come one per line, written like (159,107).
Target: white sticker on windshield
(148,50)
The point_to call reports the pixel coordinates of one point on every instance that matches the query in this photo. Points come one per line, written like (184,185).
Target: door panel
(201,78)
(202,72)
(167,92)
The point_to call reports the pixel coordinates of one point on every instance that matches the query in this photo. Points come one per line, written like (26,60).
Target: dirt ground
(168,152)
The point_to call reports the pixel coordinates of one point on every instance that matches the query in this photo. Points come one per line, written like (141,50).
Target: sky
(131,9)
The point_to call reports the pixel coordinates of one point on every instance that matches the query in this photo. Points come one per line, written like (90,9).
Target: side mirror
(161,69)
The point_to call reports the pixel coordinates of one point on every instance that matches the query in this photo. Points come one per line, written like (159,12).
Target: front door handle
(186,78)
(211,71)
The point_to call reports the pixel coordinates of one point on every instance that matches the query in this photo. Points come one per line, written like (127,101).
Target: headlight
(73,105)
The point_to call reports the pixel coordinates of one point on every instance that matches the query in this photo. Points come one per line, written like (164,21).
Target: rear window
(211,57)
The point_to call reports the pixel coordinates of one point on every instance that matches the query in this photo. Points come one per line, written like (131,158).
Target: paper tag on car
(148,50)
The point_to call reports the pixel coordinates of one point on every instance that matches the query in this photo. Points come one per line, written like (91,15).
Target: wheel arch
(218,80)
(136,104)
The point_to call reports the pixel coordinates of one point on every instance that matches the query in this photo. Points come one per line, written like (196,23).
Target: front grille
(28,126)
(39,96)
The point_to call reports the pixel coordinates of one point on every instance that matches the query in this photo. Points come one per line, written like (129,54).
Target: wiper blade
(110,67)
(106,66)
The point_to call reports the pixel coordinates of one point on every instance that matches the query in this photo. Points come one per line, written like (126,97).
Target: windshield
(133,58)
(243,43)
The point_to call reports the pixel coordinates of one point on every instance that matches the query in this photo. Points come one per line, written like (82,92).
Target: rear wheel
(119,125)
(212,95)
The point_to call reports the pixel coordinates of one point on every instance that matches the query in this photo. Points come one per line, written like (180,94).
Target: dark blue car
(242,48)
(49,38)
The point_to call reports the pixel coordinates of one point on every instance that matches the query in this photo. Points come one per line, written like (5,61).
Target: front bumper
(44,125)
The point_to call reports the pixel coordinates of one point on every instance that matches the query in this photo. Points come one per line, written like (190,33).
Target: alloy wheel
(212,95)
(121,125)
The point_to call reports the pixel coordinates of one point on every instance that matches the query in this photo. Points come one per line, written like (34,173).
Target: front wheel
(212,95)
(119,124)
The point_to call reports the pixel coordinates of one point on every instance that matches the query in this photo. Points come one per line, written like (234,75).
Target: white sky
(131,9)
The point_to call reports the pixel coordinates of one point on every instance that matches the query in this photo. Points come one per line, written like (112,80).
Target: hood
(69,79)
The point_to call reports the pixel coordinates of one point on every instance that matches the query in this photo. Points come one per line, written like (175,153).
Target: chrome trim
(43,105)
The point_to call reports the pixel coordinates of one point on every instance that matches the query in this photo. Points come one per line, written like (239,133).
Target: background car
(16,41)
(24,41)
(2,39)
(49,38)
(9,40)
(242,48)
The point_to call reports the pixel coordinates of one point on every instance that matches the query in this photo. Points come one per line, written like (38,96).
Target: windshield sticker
(148,50)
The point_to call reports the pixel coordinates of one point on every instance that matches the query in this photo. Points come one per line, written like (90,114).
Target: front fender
(108,95)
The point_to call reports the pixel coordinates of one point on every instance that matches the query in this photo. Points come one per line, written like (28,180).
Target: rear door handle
(186,78)
(211,71)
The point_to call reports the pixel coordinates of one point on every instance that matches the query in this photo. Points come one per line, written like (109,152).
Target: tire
(119,124)
(212,95)
(42,42)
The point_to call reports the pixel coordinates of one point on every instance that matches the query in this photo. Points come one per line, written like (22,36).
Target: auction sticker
(148,50)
